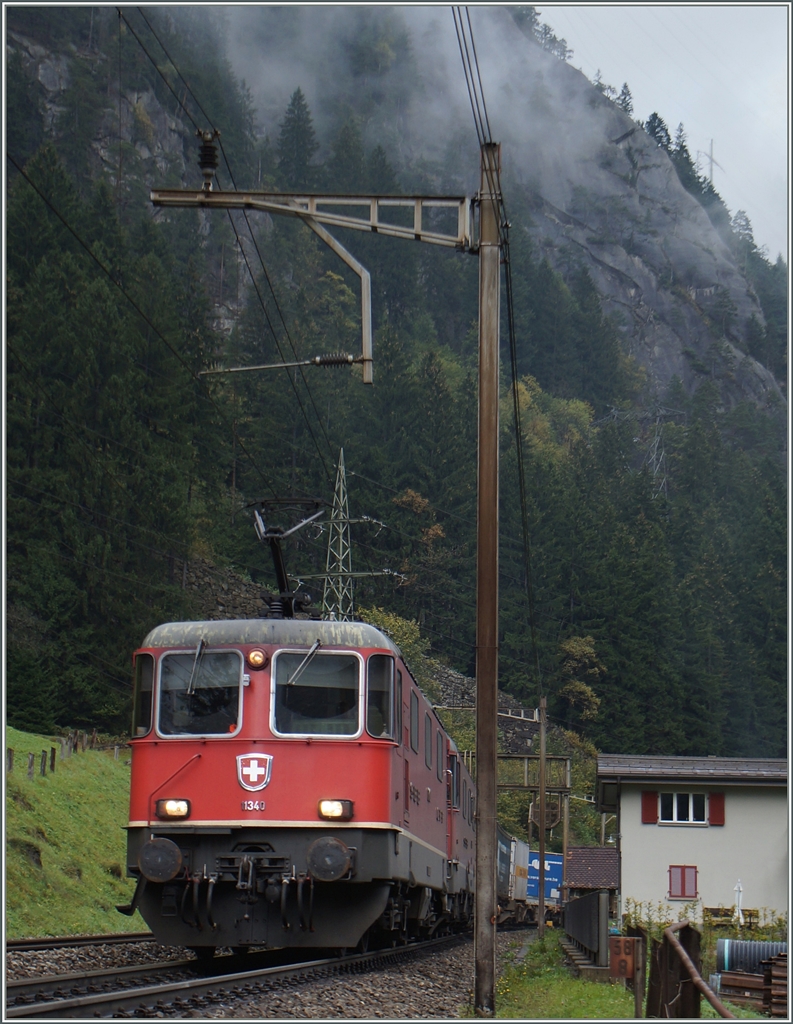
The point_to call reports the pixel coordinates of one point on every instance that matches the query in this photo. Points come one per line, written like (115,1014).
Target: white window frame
(674,820)
(333,737)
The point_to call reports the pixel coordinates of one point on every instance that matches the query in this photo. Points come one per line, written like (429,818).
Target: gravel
(436,985)
(72,959)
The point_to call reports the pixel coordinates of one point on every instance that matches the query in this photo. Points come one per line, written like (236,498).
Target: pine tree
(656,129)
(625,100)
(297,144)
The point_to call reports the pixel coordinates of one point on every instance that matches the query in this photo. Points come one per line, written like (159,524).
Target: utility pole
(487,583)
(541,828)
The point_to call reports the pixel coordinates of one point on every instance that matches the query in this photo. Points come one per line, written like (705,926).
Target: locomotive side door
(404,746)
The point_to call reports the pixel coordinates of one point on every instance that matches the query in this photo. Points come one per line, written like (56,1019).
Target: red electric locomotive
(292,786)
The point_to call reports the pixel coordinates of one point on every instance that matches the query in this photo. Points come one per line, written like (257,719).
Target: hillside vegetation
(65,864)
(658,519)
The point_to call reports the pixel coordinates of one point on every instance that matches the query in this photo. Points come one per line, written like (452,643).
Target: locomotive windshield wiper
(196,662)
(304,663)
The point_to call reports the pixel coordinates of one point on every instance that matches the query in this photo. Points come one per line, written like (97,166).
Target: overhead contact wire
(255,245)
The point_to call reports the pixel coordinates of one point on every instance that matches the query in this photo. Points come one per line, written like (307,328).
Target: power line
(244,255)
(482,125)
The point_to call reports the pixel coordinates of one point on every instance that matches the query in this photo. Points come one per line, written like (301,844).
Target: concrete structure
(692,829)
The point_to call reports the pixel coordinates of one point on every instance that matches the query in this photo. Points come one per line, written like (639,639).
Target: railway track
(181,985)
(58,942)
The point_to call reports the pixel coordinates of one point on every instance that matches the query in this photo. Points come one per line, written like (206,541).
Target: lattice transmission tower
(337,597)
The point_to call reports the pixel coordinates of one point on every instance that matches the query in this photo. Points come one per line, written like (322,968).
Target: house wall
(752,846)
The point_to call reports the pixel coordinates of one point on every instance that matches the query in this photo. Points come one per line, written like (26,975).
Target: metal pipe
(284,887)
(696,977)
(487,583)
(210,891)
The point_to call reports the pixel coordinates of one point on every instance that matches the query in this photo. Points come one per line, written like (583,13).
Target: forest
(656,612)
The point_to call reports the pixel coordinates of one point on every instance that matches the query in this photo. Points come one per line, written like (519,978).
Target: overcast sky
(721,69)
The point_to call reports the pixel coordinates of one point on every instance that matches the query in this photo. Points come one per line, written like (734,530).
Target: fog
(528,92)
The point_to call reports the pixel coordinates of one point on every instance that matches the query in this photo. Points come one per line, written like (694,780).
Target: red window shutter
(690,882)
(649,808)
(716,809)
(675,881)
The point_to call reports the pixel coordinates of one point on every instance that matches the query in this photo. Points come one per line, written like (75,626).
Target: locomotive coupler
(246,877)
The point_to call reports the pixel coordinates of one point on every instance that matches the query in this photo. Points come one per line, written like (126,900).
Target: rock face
(221,593)
(602,194)
(599,192)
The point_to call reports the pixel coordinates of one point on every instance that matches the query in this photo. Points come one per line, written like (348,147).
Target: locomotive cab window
(200,693)
(142,703)
(380,696)
(317,694)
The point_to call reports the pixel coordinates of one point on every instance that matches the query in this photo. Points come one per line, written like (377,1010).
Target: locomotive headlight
(257,659)
(335,810)
(169,809)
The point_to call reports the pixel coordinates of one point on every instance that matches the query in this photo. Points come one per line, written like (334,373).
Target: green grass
(540,987)
(65,843)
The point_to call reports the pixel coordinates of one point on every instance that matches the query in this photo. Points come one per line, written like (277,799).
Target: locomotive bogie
(292,786)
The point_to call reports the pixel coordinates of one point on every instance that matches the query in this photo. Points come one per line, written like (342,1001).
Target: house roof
(722,770)
(592,867)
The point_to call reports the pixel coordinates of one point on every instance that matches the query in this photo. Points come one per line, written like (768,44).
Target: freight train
(291,786)
(517,877)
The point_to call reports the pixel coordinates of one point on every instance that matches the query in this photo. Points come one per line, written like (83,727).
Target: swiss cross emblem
(253,770)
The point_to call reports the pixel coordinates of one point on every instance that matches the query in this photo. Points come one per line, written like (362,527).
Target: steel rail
(689,965)
(102,1004)
(21,991)
(57,941)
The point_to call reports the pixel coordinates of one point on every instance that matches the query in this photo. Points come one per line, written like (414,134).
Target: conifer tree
(655,127)
(297,144)
(625,100)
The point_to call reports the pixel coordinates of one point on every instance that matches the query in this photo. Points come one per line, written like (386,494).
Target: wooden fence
(74,742)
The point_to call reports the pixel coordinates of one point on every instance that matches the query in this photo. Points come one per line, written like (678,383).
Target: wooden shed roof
(592,867)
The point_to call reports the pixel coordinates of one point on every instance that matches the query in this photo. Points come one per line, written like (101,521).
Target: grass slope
(65,844)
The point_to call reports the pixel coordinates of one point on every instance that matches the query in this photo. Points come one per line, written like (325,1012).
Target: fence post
(85,740)
(93,739)
(638,976)
(31,761)
(52,759)
(62,743)
(43,762)
(115,753)
(10,759)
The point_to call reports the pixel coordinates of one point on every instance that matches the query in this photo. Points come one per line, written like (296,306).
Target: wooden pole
(487,583)
(638,977)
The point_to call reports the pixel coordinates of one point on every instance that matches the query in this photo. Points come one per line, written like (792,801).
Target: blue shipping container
(553,877)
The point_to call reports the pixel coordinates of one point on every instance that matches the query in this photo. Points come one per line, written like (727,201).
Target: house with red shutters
(705,830)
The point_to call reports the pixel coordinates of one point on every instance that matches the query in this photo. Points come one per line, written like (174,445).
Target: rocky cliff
(592,188)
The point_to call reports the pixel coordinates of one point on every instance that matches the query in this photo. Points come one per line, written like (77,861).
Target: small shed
(592,868)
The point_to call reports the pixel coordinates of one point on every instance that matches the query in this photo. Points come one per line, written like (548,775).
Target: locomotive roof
(269,631)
